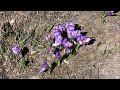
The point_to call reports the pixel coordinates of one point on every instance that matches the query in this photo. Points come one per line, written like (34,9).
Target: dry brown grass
(92,62)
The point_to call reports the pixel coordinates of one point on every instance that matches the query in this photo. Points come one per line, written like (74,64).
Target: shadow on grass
(27,62)
(53,65)
(24,51)
(74,52)
(64,34)
(77,27)
(84,33)
(91,42)
(7,29)
(64,57)
(116,11)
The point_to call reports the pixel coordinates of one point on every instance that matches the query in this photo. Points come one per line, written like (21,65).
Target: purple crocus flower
(60,27)
(48,37)
(65,40)
(45,66)
(69,24)
(71,34)
(110,13)
(67,44)
(50,50)
(43,70)
(68,31)
(77,33)
(69,28)
(58,38)
(15,49)
(83,39)
(67,50)
(57,54)
(56,32)
(57,43)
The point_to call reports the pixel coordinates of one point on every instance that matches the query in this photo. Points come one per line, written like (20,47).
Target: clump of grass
(18,37)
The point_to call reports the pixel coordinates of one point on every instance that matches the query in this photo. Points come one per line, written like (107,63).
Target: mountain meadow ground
(83,45)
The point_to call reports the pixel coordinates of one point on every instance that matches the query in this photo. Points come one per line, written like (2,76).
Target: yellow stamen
(84,40)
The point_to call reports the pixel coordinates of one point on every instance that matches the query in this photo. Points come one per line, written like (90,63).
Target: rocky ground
(101,60)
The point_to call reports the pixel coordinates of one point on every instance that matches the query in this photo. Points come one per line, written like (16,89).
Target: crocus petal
(67,50)
(80,42)
(60,27)
(69,28)
(57,54)
(80,37)
(87,40)
(77,33)
(57,43)
(56,32)
(70,44)
(58,38)
(83,39)
(48,37)
(43,70)
(66,43)
(72,34)
(15,49)
(44,64)
(69,23)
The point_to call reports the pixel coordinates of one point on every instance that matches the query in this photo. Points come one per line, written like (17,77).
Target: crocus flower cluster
(110,13)
(65,36)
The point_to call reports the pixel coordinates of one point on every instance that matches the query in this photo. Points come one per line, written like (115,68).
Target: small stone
(32,52)
(12,21)
(67,62)
(34,77)
(117,77)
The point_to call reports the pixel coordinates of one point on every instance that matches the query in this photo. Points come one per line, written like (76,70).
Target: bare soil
(101,60)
